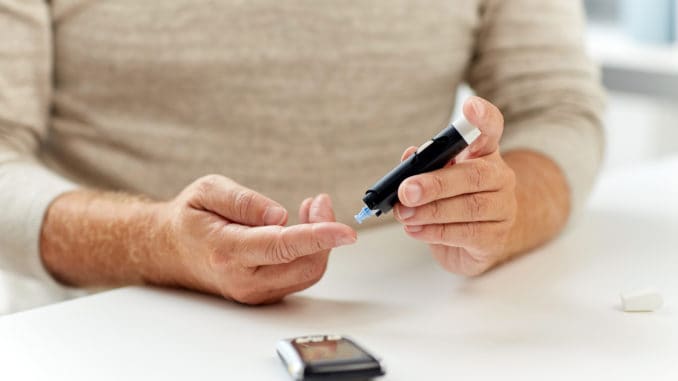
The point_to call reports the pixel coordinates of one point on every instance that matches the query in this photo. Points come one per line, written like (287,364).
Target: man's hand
(216,236)
(465,211)
(231,241)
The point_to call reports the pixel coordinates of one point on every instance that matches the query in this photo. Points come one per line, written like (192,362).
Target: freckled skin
(213,237)
(85,232)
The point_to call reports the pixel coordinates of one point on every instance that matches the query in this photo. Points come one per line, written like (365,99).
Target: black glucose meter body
(327,357)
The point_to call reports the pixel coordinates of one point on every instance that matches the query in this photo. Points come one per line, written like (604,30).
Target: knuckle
(475,175)
(244,201)
(435,211)
(437,183)
(476,206)
(282,251)
(441,233)
(207,183)
(201,188)
(277,252)
(315,241)
(317,245)
(470,231)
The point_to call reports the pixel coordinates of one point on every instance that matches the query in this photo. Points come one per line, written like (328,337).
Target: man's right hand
(231,241)
(216,236)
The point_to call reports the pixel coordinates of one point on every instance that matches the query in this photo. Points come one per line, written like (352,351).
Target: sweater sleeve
(26,187)
(530,61)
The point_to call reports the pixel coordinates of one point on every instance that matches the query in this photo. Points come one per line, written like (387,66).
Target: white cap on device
(467,131)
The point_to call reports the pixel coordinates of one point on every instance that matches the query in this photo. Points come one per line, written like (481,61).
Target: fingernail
(404,212)
(345,240)
(414,228)
(478,107)
(326,200)
(274,215)
(412,192)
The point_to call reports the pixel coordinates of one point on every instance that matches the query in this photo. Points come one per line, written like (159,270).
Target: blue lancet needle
(364,214)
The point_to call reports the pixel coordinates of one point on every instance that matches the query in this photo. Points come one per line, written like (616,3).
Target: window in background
(642,76)
(606,11)
(646,21)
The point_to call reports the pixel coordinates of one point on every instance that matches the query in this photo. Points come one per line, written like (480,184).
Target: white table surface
(552,315)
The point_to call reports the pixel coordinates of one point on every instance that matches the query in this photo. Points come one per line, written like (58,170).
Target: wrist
(543,201)
(163,261)
(91,238)
(152,246)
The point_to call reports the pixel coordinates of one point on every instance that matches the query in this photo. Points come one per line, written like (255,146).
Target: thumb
(408,152)
(489,120)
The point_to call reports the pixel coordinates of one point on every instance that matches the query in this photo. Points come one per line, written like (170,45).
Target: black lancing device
(432,155)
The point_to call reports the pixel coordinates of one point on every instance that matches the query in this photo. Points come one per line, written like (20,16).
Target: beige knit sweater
(288,97)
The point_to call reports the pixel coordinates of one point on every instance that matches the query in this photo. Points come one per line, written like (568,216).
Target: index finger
(271,245)
(489,120)
(234,202)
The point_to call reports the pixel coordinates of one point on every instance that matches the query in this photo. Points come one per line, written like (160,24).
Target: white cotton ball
(642,300)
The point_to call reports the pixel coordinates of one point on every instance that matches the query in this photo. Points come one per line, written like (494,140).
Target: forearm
(93,238)
(543,199)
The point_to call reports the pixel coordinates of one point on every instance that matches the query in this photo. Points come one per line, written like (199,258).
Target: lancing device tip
(364,214)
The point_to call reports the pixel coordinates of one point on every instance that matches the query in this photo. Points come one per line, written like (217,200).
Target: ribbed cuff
(26,191)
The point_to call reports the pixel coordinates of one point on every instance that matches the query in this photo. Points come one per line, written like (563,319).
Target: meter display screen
(330,350)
